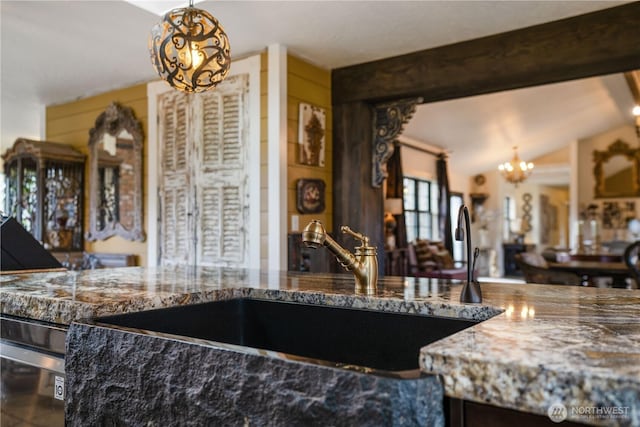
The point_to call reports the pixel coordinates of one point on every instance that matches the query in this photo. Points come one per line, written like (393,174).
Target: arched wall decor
(388,122)
(115,175)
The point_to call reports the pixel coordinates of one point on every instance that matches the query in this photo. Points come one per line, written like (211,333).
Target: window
(421,212)
(421,209)
(509,216)
(456,200)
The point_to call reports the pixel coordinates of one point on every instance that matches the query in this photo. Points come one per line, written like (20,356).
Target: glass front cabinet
(44,192)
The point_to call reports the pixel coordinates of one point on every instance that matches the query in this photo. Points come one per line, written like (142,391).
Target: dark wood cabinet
(44,192)
(464,413)
(304,259)
(509,252)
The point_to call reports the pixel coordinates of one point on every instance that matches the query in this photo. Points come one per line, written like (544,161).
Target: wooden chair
(433,270)
(540,273)
(632,259)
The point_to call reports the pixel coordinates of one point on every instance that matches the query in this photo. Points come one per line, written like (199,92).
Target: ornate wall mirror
(616,171)
(115,180)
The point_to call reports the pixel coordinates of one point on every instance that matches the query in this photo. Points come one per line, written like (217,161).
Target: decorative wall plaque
(311,134)
(310,196)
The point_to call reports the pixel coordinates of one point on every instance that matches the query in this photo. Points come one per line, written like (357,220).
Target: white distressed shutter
(175,207)
(203,192)
(221,193)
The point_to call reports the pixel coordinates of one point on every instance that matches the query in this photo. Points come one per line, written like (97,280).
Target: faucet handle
(364,239)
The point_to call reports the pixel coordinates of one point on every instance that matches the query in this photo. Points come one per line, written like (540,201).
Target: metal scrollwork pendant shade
(190,50)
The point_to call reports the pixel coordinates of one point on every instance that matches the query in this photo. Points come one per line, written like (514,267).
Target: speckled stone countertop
(541,345)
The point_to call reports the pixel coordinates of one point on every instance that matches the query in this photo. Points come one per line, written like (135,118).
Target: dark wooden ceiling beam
(602,42)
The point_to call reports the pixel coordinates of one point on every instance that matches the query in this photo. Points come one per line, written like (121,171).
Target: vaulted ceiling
(481,131)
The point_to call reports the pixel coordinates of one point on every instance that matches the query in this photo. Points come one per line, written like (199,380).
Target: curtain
(444,203)
(395,189)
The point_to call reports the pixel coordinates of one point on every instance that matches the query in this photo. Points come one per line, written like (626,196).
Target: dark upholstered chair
(632,259)
(433,269)
(535,270)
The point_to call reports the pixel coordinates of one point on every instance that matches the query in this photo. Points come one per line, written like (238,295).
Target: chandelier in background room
(515,171)
(190,50)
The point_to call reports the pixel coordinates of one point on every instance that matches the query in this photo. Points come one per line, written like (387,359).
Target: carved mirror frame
(617,148)
(115,119)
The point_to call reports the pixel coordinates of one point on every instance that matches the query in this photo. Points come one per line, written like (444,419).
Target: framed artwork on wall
(310,196)
(311,135)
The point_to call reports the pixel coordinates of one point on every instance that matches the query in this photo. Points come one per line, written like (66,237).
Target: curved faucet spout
(471,292)
(363,265)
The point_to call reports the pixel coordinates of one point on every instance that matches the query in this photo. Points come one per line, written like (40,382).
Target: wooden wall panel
(264,150)
(79,120)
(96,103)
(312,85)
(356,202)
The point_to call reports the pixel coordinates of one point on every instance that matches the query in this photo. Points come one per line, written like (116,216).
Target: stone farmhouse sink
(372,339)
(249,361)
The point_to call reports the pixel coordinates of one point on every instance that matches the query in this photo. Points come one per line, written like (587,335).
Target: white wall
(20,119)
(418,164)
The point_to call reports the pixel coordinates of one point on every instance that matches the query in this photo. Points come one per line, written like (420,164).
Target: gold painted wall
(264,162)
(70,123)
(309,84)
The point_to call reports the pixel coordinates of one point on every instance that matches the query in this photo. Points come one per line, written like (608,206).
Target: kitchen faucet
(363,265)
(471,290)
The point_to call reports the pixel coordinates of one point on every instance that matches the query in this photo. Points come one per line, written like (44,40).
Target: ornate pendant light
(516,170)
(190,50)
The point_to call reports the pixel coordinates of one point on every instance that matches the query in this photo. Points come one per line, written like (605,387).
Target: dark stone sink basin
(344,336)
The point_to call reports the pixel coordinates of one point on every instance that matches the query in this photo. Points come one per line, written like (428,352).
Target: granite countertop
(542,344)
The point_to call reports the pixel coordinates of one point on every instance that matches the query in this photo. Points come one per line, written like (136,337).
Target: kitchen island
(536,345)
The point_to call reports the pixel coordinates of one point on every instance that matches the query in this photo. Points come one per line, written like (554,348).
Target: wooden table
(618,271)
(597,257)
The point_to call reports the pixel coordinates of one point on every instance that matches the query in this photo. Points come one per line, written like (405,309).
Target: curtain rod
(424,150)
